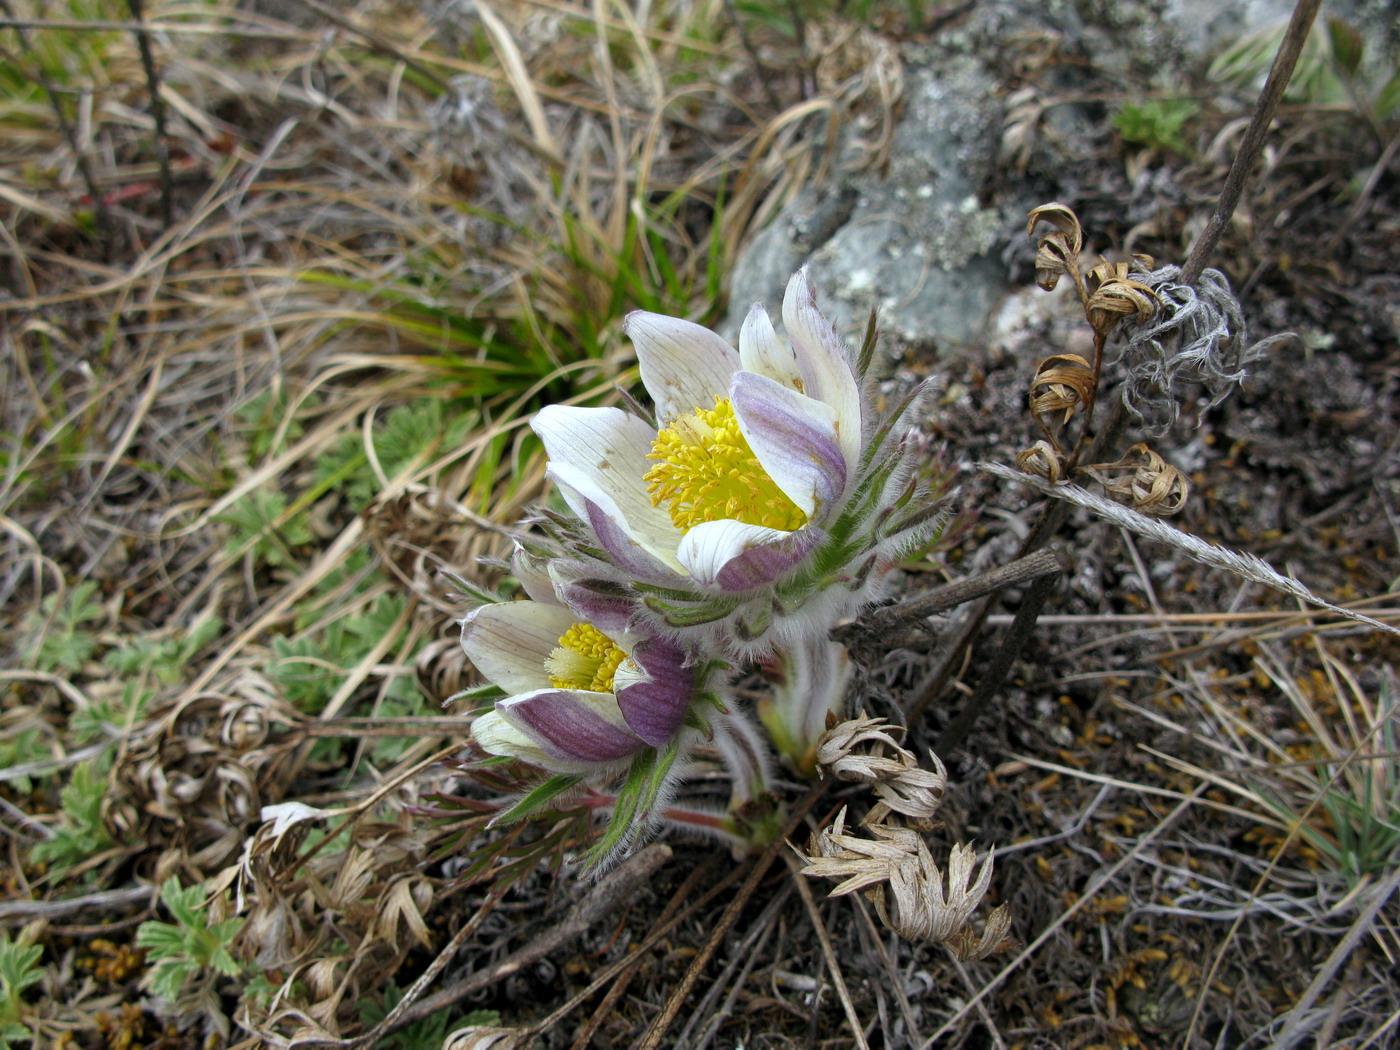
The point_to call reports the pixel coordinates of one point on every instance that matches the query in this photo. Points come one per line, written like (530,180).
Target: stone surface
(912,241)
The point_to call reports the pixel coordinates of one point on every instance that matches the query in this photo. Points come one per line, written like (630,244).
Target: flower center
(586,658)
(706,471)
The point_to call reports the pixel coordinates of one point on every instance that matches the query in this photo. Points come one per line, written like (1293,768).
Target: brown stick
(596,904)
(1243,165)
(882,620)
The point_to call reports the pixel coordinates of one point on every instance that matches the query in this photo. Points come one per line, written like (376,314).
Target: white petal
(496,736)
(827,374)
(650,527)
(795,440)
(600,454)
(684,366)
(510,642)
(711,545)
(761,351)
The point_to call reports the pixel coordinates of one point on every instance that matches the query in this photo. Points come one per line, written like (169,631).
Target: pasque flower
(591,700)
(579,700)
(761,501)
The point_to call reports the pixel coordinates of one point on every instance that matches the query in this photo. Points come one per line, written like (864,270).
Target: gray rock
(912,242)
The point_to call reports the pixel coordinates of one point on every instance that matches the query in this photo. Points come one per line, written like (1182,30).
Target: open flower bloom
(580,700)
(759,484)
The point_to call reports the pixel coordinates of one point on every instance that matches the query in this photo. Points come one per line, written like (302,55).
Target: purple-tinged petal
(761,351)
(827,374)
(684,366)
(654,699)
(572,725)
(626,553)
(736,557)
(794,437)
(606,604)
(510,642)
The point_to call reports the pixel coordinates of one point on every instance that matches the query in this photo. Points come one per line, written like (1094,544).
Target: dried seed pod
(1116,296)
(442,669)
(1043,460)
(1063,383)
(1057,252)
(966,945)
(1144,481)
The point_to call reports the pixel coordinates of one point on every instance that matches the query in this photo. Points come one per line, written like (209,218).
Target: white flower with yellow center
(580,700)
(762,505)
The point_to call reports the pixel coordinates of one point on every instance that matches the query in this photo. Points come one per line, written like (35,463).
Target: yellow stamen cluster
(706,471)
(585,659)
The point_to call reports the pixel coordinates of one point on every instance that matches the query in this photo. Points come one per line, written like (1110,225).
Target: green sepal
(867,347)
(693,617)
(538,797)
(486,691)
(635,800)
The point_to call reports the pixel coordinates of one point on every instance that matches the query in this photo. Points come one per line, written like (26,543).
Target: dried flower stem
(1243,165)
(1016,637)
(880,621)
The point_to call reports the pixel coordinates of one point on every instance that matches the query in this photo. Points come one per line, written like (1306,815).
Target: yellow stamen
(706,471)
(586,658)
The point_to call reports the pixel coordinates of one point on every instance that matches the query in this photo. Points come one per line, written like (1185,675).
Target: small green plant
(19,968)
(427,1034)
(262,527)
(189,947)
(62,643)
(81,834)
(167,658)
(263,416)
(309,668)
(1332,71)
(1157,123)
(407,433)
(19,747)
(110,715)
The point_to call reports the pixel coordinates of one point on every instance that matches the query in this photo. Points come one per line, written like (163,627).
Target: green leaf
(538,797)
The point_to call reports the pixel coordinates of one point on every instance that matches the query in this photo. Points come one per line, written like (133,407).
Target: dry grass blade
(1245,565)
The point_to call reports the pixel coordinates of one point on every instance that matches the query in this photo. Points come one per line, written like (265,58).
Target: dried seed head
(1198,334)
(897,873)
(864,749)
(966,945)
(1144,481)
(1064,383)
(1056,252)
(1042,460)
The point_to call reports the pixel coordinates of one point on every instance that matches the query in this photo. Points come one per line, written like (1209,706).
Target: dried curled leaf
(897,873)
(1144,481)
(443,670)
(966,945)
(1056,252)
(1063,383)
(1043,460)
(863,749)
(1117,296)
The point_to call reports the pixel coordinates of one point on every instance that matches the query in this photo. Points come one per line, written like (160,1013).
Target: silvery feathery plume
(910,893)
(807,683)
(764,502)
(1197,334)
(1248,566)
